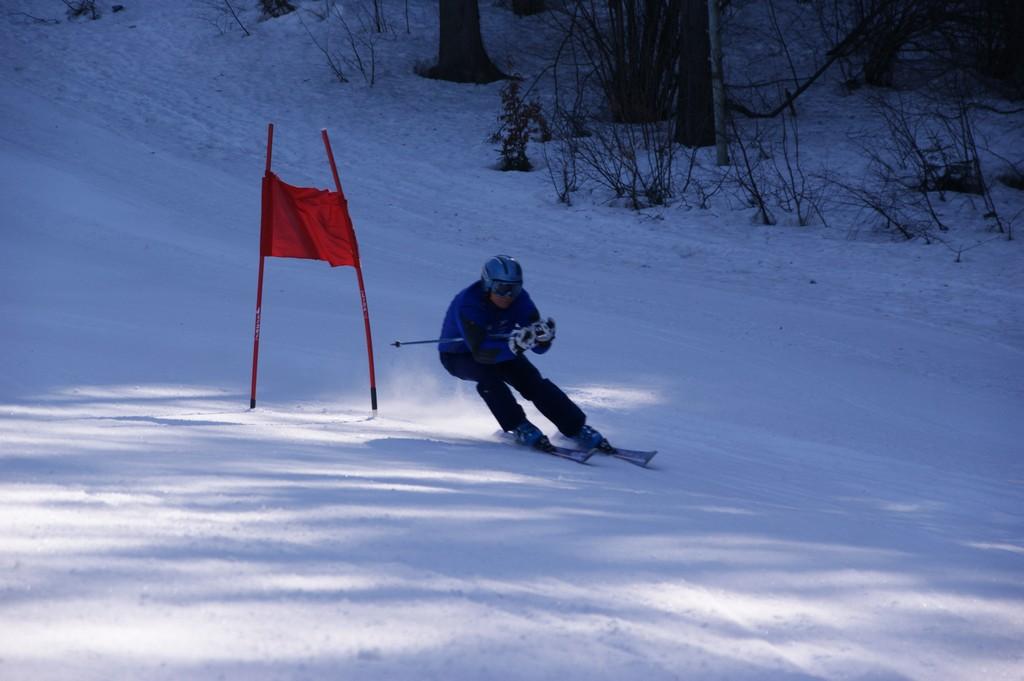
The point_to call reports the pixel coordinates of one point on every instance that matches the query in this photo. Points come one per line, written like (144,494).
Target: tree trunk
(461,55)
(1015,48)
(525,8)
(695,115)
(1002,56)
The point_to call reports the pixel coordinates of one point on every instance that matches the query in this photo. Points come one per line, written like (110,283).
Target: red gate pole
(259,283)
(359,278)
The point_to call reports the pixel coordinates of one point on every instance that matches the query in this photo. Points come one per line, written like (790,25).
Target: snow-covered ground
(838,493)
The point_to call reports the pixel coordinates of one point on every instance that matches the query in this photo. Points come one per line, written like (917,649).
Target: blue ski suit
(493,366)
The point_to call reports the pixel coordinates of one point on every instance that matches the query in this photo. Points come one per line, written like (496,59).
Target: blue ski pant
(493,381)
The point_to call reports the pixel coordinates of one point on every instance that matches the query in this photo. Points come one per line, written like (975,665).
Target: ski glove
(522,339)
(545,330)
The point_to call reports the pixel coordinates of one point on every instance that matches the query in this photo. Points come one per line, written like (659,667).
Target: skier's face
(503,302)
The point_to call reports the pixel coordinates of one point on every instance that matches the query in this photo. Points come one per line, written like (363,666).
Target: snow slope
(838,493)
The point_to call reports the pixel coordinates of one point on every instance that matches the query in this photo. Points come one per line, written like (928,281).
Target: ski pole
(398,344)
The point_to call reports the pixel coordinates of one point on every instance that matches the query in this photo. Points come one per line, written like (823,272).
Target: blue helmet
(503,276)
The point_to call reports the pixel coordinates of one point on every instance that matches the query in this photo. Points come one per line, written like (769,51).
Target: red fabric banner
(302,222)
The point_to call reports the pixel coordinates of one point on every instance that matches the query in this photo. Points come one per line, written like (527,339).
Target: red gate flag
(302,222)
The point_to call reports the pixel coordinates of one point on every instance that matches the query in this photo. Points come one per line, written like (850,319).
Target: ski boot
(589,439)
(530,435)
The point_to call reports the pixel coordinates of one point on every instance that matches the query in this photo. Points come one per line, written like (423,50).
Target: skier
(496,322)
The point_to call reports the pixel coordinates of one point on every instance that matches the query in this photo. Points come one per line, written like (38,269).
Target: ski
(577,455)
(634,456)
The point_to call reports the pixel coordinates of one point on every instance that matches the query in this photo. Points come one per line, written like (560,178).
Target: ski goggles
(506,289)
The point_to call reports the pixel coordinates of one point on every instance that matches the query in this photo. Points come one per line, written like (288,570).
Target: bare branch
(235,15)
